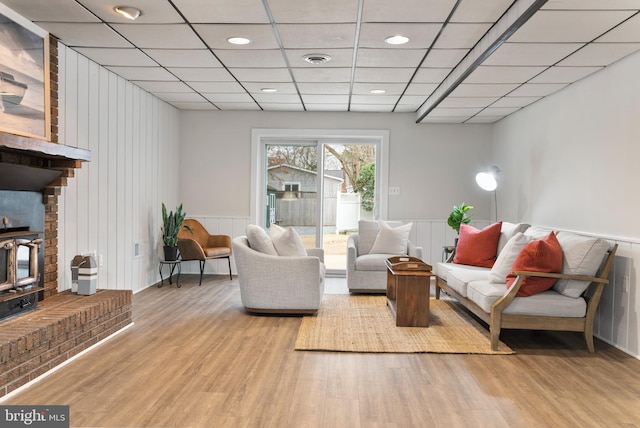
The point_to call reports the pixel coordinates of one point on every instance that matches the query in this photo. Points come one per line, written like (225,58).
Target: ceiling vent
(316,58)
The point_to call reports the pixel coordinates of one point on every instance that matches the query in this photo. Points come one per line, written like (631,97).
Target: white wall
(115,200)
(570,162)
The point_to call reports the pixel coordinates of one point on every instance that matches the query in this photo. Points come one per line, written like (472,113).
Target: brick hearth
(60,327)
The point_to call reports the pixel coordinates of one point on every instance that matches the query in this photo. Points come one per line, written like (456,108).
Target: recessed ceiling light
(269,90)
(238,40)
(128,12)
(378,91)
(396,40)
(316,58)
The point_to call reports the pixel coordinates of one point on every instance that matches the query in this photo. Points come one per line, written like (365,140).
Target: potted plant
(172,223)
(459,216)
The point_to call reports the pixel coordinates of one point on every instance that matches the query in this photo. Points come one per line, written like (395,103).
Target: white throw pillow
(259,240)
(287,241)
(508,255)
(392,240)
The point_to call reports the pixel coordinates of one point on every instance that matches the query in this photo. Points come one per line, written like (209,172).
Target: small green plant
(172,223)
(459,216)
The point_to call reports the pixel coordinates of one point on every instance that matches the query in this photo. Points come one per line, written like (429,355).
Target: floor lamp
(488,180)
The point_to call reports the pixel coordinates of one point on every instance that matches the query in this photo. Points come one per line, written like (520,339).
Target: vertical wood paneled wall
(113,204)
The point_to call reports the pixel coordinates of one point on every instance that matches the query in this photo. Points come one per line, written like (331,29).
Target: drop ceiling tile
(51,10)
(266,58)
(515,101)
(339,58)
(484,11)
(420,36)
(484,119)
(415,100)
(454,112)
(281,87)
(483,90)
(143,73)
(389,57)
(216,35)
(592,4)
(194,106)
(556,26)
(238,106)
(325,99)
(277,98)
(532,54)
(229,98)
(382,75)
(325,11)
(262,75)
(424,89)
(564,74)
(321,88)
(198,74)
(152,11)
(457,102)
(222,87)
(410,11)
(628,32)
(183,57)
(81,34)
(237,11)
(431,75)
(161,36)
(497,74)
(188,97)
(282,107)
(117,56)
(335,75)
(537,89)
(443,119)
(326,107)
(405,108)
(372,108)
(498,111)
(444,58)
(151,86)
(390,88)
(600,54)
(456,36)
(317,36)
(374,99)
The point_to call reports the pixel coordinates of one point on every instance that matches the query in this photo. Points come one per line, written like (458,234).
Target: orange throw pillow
(478,247)
(541,255)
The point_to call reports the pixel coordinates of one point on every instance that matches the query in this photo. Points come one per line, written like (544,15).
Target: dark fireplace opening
(21,251)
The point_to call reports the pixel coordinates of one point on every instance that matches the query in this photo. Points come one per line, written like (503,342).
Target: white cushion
(581,255)
(286,241)
(458,279)
(372,262)
(546,303)
(367,233)
(507,256)
(508,231)
(392,240)
(536,232)
(259,240)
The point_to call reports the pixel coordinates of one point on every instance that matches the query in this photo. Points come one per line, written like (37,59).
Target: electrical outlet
(395,191)
(625,284)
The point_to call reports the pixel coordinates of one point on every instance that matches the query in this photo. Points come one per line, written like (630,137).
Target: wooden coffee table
(408,292)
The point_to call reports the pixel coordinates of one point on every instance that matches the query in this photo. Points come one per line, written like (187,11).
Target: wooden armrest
(562,276)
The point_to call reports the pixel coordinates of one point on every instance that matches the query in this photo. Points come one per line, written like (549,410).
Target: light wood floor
(194,358)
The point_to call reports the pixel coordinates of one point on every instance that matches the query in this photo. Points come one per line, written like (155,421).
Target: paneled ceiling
(466,61)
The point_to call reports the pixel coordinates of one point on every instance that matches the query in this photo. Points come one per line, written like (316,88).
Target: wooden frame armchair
(198,244)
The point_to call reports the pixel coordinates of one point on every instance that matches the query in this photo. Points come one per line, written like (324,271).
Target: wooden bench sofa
(569,306)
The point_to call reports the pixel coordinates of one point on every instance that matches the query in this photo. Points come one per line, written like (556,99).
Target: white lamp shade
(486,181)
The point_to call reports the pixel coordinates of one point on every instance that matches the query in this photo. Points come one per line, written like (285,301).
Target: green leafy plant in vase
(458,216)
(171,225)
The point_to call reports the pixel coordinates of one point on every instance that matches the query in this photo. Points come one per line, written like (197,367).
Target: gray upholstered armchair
(279,284)
(366,268)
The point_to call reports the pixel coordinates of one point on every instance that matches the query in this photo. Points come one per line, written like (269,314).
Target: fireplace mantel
(41,149)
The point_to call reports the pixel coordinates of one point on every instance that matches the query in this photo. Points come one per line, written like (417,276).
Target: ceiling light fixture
(378,91)
(238,40)
(396,40)
(269,90)
(128,12)
(316,58)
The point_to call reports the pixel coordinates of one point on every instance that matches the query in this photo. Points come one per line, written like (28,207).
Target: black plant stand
(173,264)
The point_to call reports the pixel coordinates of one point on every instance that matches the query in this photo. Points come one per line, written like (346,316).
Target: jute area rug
(365,324)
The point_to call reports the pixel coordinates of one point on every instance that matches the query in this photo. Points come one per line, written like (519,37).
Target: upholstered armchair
(368,250)
(271,283)
(198,244)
